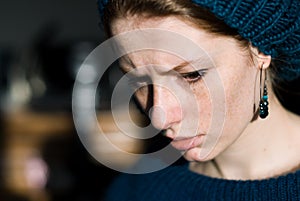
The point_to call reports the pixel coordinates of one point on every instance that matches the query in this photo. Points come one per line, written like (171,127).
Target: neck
(267,148)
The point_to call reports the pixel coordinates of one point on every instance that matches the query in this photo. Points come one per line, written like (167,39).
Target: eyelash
(194,76)
(191,77)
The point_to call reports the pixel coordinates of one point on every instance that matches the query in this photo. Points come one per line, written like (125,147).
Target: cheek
(240,97)
(204,103)
(239,103)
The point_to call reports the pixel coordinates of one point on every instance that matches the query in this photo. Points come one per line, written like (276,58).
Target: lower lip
(188,143)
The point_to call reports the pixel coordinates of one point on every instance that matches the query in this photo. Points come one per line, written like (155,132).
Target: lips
(184,144)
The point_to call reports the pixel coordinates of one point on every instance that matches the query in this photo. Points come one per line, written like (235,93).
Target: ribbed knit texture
(273,26)
(178,183)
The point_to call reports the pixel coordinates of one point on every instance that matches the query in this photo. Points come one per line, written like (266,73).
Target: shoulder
(176,182)
(164,185)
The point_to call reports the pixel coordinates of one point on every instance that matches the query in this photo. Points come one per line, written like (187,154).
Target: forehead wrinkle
(212,47)
(138,22)
(156,62)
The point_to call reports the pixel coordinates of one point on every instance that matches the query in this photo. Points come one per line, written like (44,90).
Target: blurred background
(42,45)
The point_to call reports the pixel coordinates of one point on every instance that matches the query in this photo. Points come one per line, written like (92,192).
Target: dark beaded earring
(263,104)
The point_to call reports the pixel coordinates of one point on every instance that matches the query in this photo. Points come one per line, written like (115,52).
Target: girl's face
(218,91)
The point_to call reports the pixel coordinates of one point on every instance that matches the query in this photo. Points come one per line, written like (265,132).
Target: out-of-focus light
(88,74)
(36,172)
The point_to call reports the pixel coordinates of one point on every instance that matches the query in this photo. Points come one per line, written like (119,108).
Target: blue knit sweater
(178,183)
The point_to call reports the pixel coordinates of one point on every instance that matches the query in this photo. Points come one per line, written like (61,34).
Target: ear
(261,60)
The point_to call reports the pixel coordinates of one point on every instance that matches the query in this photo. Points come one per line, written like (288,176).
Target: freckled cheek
(204,107)
(239,94)
(239,98)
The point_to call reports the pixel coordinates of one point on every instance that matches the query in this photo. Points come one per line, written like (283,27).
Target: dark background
(21,20)
(42,43)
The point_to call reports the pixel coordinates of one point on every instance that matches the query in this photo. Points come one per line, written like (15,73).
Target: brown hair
(162,8)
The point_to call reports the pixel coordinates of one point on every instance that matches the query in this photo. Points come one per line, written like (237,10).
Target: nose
(166,109)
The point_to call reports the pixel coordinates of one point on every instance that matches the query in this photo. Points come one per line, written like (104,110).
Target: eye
(194,76)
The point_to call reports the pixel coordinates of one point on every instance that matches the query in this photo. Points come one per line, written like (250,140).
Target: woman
(254,46)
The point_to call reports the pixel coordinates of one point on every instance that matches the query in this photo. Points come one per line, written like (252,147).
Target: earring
(263,104)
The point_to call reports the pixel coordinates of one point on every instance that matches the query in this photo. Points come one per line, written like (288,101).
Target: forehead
(139,22)
(171,23)
(211,44)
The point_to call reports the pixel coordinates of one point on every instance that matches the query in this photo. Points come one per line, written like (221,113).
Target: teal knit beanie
(273,26)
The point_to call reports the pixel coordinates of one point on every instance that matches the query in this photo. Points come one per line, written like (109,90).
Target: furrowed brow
(126,64)
(184,64)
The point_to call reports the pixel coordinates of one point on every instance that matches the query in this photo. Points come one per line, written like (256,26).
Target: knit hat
(273,26)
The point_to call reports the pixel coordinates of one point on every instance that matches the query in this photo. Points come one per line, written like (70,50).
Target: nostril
(158,117)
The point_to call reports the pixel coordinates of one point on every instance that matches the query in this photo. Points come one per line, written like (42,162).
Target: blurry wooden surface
(26,131)
(35,123)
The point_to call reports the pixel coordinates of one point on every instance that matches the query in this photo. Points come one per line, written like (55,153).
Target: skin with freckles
(246,148)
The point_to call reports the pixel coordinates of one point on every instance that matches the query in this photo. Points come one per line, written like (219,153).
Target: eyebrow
(191,62)
(175,68)
(182,65)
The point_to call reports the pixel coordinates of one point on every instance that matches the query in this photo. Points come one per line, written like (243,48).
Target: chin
(198,155)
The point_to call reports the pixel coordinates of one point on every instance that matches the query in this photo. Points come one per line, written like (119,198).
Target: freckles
(240,96)
(204,105)
(234,87)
